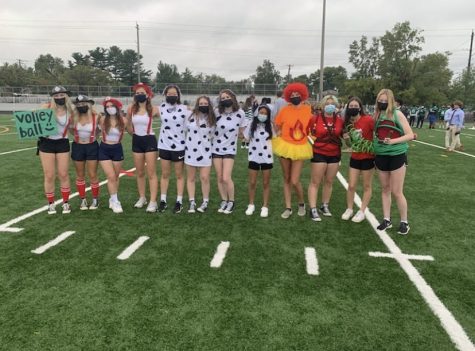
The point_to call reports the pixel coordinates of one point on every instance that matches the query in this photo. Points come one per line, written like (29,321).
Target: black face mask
(172,100)
(140,97)
(382,106)
(296,100)
(83,109)
(353,111)
(226,103)
(203,109)
(60,101)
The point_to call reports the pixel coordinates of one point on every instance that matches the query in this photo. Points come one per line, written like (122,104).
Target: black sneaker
(178,207)
(162,207)
(314,215)
(403,228)
(385,224)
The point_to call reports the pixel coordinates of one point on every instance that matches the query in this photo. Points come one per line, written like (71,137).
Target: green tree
(266,74)
(100,58)
(16,75)
(48,69)
(463,88)
(365,58)
(81,75)
(167,73)
(334,78)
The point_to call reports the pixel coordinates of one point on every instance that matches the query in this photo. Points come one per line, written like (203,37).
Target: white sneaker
(250,209)
(229,207)
(152,207)
(223,206)
(347,214)
(66,208)
(264,212)
(116,207)
(84,206)
(94,205)
(358,217)
(141,202)
(51,209)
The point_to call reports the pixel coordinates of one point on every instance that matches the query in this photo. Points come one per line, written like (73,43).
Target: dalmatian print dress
(198,141)
(172,130)
(260,145)
(227,131)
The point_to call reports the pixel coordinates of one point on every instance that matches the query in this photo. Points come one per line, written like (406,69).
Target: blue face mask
(262,118)
(330,109)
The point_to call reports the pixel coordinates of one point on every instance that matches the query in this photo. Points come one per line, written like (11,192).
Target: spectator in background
(278,104)
(454,119)
(432,116)
(403,108)
(247,108)
(412,116)
(421,115)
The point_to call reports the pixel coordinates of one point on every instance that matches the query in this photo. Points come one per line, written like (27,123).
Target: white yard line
(13,151)
(464,134)
(220,254)
(452,327)
(312,262)
(52,243)
(6,227)
(132,248)
(411,257)
(443,148)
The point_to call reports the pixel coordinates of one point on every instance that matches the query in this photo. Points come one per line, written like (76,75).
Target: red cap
(148,90)
(114,101)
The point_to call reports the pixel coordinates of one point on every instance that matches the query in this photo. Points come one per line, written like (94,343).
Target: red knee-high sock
(95,190)
(81,186)
(65,194)
(50,197)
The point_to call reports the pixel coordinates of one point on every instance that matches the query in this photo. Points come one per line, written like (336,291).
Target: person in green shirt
(391,135)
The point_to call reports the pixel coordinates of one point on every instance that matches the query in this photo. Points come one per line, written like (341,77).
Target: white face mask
(262,118)
(111,110)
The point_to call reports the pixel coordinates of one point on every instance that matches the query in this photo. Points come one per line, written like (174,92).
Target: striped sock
(81,186)
(50,197)
(65,194)
(95,190)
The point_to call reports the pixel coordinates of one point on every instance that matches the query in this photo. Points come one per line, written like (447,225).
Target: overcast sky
(229,38)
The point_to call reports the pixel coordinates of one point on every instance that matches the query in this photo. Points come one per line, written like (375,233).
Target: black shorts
(319,158)
(169,155)
(83,152)
(223,156)
(53,146)
(363,165)
(143,144)
(390,163)
(260,166)
(113,152)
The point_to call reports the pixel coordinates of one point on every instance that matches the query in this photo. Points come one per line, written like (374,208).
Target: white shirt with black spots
(260,145)
(172,129)
(227,131)
(198,141)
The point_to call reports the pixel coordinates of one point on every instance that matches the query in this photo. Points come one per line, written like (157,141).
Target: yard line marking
(469,135)
(5,227)
(443,148)
(132,248)
(452,327)
(13,151)
(410,257)
(312,262)
(52,243)
(220,254)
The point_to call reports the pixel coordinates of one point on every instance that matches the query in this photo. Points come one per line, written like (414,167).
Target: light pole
(322,51)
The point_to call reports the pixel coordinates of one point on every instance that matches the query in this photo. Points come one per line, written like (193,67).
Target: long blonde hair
(68,104)
(391,104)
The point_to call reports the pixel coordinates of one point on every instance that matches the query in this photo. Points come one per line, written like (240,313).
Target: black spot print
(269,156)
(161,140)
(186,148)
(260,153)
(222,127)
(194,150)
(182,142)
(203,125)
(216,133)
(179,110)
(183,116)
(195,131)
(165,120)
(199,142)
(206,149)
(178,125)
(217,149)
(199,158)
(204,136)
(262,133)
(238,115)
(192,120)
(265,147)
(250,153)
(218,118)
(189,138)
(166,128)
(226,136)
(176,136)
(170,138)
(218,141)
(237,125)
(173,146)
(232,130)
(254,148)
(233,142)
(257,140)
(228,118)
(174,117)
(163,105)
(224,149)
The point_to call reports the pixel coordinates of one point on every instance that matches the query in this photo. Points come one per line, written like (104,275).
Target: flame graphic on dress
(297,132)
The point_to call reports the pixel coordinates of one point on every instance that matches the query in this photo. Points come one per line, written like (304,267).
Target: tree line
(392,60)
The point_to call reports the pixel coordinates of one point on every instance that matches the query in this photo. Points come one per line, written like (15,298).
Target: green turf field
(79,296)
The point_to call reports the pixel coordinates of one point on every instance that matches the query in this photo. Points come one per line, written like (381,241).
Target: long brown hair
(233,98)
(211,120)
(107,119)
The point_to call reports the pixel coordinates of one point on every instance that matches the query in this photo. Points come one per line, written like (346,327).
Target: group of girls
(205,136)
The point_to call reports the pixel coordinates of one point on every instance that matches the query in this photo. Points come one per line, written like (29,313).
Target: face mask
(203,109)
(172,100)
(262,118)
(296,100)
(330,109)
(382,106)
(60,101)
(112,111)
(226,103)
(83,109)
(140,98)
(353,111)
